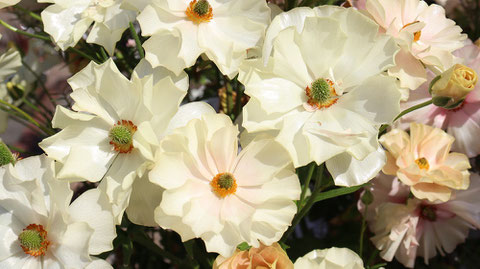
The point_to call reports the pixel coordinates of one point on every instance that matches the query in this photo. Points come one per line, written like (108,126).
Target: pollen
(422,163)
(224,184)
(33,240)
(321,94)
(121,136)
(199,11)
(416,35)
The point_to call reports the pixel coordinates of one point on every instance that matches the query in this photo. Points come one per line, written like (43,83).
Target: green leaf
(243,246)
(336,192)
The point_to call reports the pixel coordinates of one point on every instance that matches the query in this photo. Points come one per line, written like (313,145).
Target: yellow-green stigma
(320,90)
(225,181)
(30,239)
(33,240)
(121,136)
(321,94)
(6,155)
(224,184)
(201,7)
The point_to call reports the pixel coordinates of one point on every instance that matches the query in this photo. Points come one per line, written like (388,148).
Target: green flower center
(320,91)
(121,135)
(6,155)
(201,7)
(31,239)
(429,213)
(226,181)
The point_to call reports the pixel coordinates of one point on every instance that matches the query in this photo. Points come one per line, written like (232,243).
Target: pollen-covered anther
(422,163)
(416,35)
(321,93)
(224,184)
(199,11)
(33,240)
(121,136)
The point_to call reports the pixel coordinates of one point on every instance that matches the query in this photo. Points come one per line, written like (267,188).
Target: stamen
(416,35)
(321,94)
(422,163)
(224,184)
(121,136)
(199,11)
(33,240)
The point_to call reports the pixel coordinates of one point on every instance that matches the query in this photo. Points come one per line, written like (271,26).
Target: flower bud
(6,155)
(449,89)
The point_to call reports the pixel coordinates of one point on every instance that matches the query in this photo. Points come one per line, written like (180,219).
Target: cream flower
(267,257)
(323,90)
(222,29)
(330,258)
(7,3)
(426,36)
(67,22)
(115,126)
(453,85)
(39,226)
(218,196)
(423,161)
(406,228)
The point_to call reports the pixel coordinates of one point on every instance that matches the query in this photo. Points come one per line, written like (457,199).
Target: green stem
(104,54)
(304,210)
(28,118)
(28,12)
(83,54)
(362,232)
(18,31)
(137,41)
(406,111)
(311,168)
(42,84)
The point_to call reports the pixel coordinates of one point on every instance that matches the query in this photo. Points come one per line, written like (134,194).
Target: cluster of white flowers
(322,82)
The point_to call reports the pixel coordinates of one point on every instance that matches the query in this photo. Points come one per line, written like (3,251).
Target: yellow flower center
(416,35)
(224,184)
(422,163)
(121,136)
(33,240)
(321,94)
(199,11)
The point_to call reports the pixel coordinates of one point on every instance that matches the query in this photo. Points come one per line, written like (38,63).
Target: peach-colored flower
(263,257)
(406,227)
(423,161)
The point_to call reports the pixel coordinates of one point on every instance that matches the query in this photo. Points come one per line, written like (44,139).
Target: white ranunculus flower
(222,29)
(115,126)
(219,196)
(67,21)
(330,258)
(323,90)
(39,226)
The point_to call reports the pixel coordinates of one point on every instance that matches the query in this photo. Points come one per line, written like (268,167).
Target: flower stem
(137,41)
(83,54)
(406,111)
(311,168)
(16,30)
(362,232)
(28,12)
(27,117)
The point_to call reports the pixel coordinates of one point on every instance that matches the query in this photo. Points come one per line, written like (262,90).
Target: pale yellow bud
(451,87)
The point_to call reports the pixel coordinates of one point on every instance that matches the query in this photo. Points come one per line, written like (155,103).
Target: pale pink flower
(425,35)
(463,122)
(406,228)
(422,160)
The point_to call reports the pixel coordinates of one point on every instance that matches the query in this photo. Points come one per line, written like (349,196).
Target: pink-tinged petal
(204,214)
(223,147)
(390,167)
(408,70)
(431,191)
(465,127)
(395,142)
(174,201)
(173,222)
(235,211)
(430,143)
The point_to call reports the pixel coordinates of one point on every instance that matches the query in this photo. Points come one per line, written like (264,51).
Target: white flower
(115,126)
(330,258)
(323,90)
(426,36)
(67,22)
(7,3)
(39,226)
(223,30)
(406,227)
(218,196)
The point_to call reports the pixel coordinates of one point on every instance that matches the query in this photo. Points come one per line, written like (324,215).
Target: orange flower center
(199,11)
(121,136)
(422,163)
(416,35)
(321,94)
(224,184)
(33,240)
